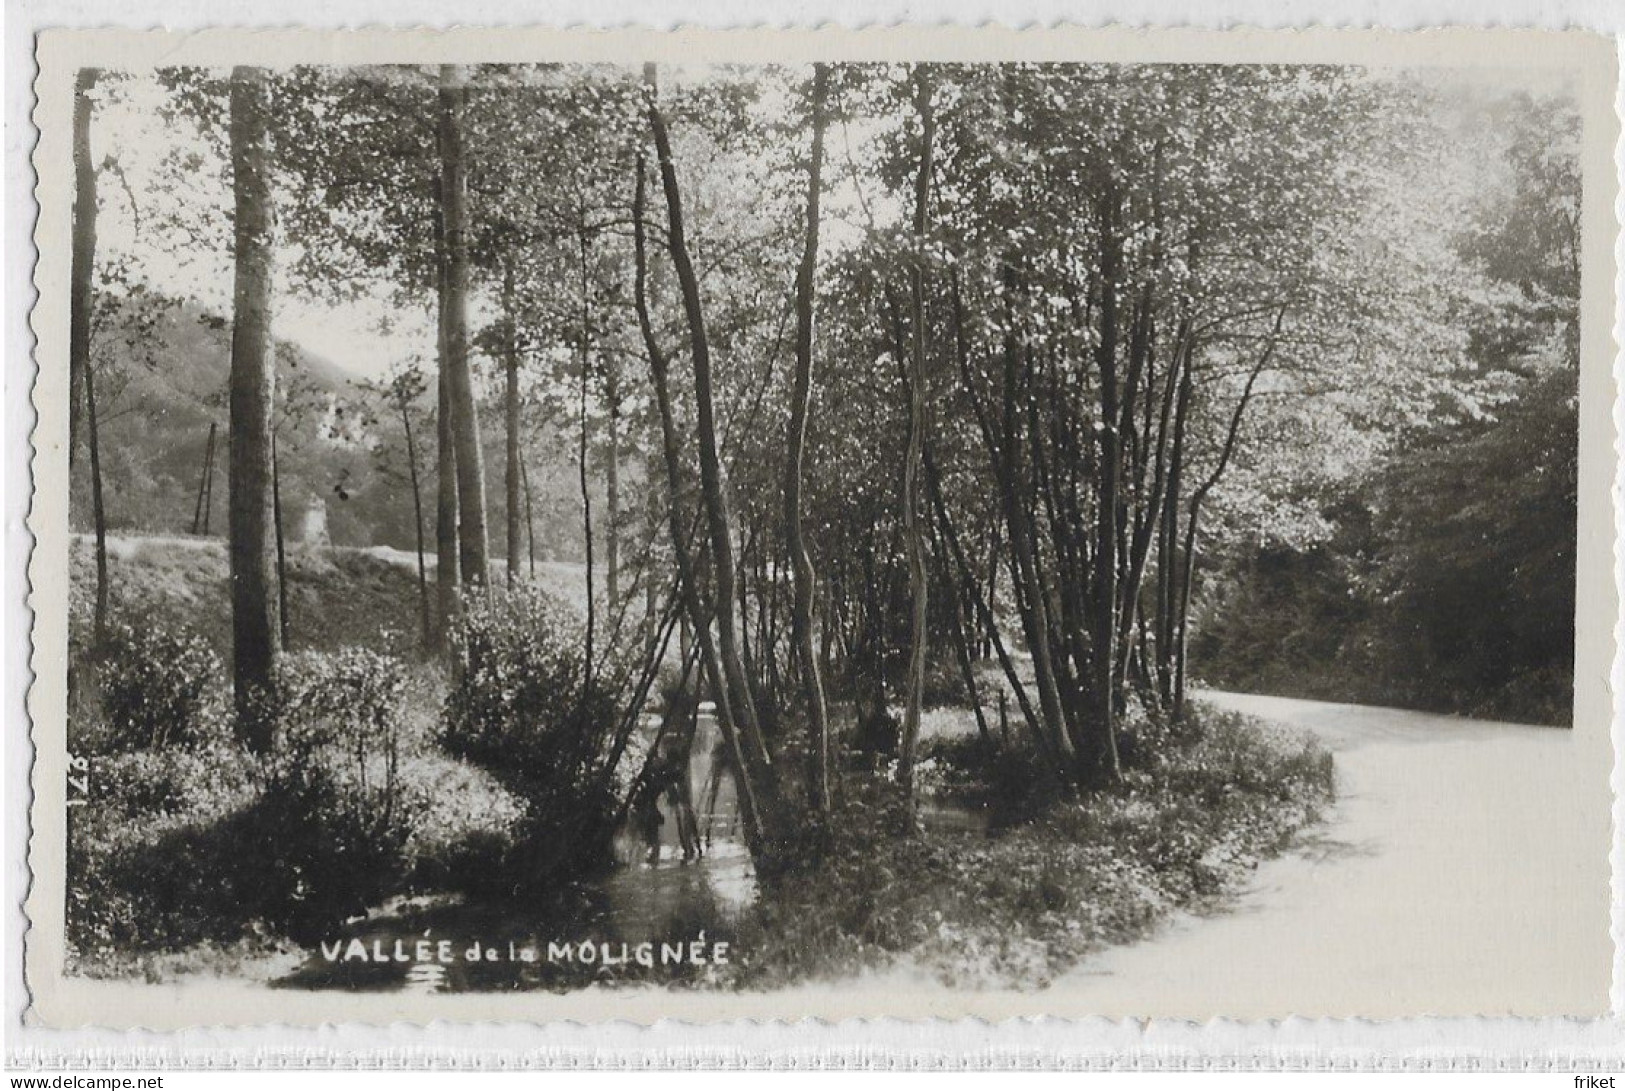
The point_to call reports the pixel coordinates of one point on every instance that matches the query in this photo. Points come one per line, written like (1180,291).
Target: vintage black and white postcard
(544,525)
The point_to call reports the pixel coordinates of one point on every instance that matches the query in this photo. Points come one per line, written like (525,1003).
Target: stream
(650,918)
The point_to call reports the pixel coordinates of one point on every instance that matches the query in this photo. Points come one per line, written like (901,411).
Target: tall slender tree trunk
(1135,436)
(581,453)
(651,515)
(711,486)
(427,620)
(530,518)
(448,570)
(961,629)
(208,483)
(913,530)
(612,480)
(98,506)
(471,522)
(1187,578)
(255,636)
(1103,761)
(1148,528)
(510,361)
(986,644)
(1026,580)
(81,299)
(81,383)
(281,544)
(1199,497)
(1168,580)
(801,608)
(447,562)
(203,478)
(984,609)
(748,769)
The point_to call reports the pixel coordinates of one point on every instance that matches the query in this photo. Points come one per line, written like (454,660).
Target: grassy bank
(1195,814)
(336,597)
(190,854)
(198,856)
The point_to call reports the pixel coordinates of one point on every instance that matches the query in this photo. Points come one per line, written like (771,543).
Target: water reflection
(653,904)
(426,977)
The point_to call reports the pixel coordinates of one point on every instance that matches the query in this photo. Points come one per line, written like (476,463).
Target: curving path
(1463,871)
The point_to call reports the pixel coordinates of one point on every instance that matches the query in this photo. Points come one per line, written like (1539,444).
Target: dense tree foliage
(1444,577)
(1055,384)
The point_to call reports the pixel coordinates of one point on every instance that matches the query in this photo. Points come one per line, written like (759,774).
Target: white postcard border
(69,1001)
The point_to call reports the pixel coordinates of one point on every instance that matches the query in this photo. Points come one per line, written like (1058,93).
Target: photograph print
(764,530)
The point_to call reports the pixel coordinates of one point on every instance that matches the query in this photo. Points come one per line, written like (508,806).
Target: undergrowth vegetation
(186,841)
(506,771)
(546,721)
(203,843)
(390,775)
(1194,814)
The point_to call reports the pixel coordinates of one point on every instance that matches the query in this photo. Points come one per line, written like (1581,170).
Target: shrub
(149,862)
(466,833)
(526,705)
(156,684)
(207,778)
(349,702)
(868,897)
(331,828)
(208,844)
(944,682)
(1012,781)
(196,843)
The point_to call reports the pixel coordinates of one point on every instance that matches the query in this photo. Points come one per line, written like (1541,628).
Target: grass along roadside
(1192,819)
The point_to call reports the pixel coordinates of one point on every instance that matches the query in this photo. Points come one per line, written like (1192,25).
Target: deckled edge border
(701,1056)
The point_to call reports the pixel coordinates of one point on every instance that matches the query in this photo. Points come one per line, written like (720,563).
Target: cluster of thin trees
(974,434)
